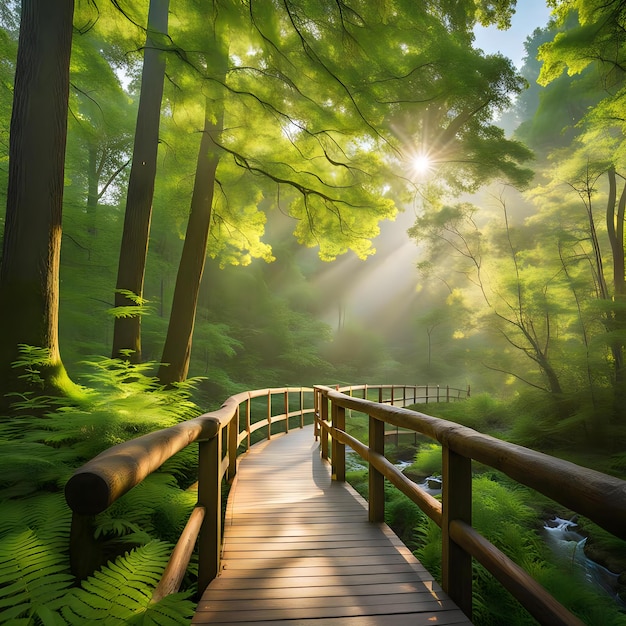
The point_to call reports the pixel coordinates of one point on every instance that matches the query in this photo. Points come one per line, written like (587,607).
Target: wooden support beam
(209,497)
(456,563)
(339,449)
(376,478)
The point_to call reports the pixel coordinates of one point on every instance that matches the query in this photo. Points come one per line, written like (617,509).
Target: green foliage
(482,412)
(427,460)
(403,515)
(37,455)
(34,578)
(428,540)
(121,592)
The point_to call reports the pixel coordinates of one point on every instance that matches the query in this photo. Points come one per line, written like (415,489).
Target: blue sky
(529,15)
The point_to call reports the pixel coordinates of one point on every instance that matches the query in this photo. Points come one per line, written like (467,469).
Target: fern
(26,467)
(39,448)
(121,592)
(135,310)
(32,576)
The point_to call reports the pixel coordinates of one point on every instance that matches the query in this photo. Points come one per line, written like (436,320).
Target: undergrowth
(505,515)
(41,444)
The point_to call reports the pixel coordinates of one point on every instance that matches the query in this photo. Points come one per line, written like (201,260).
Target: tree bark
(617,319)
(177,349)
(134,249)
(29,275)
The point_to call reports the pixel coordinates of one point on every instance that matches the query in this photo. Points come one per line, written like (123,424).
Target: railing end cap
(87,493)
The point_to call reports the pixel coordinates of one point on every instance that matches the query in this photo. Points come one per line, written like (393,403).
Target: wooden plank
(440,618)
(394,580)
(241,616)
(324,589)
(298,549)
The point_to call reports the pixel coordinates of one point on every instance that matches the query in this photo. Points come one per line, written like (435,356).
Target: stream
(565,541)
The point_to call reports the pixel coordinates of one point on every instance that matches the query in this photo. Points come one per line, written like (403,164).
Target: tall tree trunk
(615,229)
(29,275)
(132,261)
(177,349)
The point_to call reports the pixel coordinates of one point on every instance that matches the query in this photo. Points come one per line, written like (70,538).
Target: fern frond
(183,465)
(173,513)
(32,575)
(26,467)
(120,312)
(47,515)
(132,296)
(120,593)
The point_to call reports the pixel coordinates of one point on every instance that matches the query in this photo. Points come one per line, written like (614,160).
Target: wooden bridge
(299,544)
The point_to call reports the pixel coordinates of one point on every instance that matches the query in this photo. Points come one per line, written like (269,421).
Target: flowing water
(566,542)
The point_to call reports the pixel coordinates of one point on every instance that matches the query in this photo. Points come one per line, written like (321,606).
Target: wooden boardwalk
(299,551)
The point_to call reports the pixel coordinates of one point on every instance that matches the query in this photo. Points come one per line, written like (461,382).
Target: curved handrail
(599,497)
(102,480)
(108,476)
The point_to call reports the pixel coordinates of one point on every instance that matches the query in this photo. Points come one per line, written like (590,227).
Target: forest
(208,197)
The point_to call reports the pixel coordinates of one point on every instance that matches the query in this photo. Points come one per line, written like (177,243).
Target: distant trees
(551,274)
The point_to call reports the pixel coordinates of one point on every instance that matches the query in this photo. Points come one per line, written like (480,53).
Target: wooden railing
(220,435)
(101,481)
(599,497)
(409,394)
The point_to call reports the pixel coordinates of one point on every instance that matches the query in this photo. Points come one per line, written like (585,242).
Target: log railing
(597,496)
(220,435)
(101,481)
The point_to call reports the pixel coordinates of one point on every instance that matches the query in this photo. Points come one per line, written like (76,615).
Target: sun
(421,163)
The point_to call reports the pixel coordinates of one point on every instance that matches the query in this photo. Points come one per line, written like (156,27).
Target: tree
(330,163)
(592,44)
(134,248)
(100,133)
(177,350)
(518,300)
(29,275)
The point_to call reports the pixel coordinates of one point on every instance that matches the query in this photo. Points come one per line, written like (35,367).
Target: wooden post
(380,395)
(85,552)
(301,407)
(376,479)
(269,413)
(339,449)
(316,412)
(233,437)
(323,430)
(286,411)
(456,564)
(415,394)
(210,497)
(392,396)
(426,388)
(447,393)
(248,410)
(437,393)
